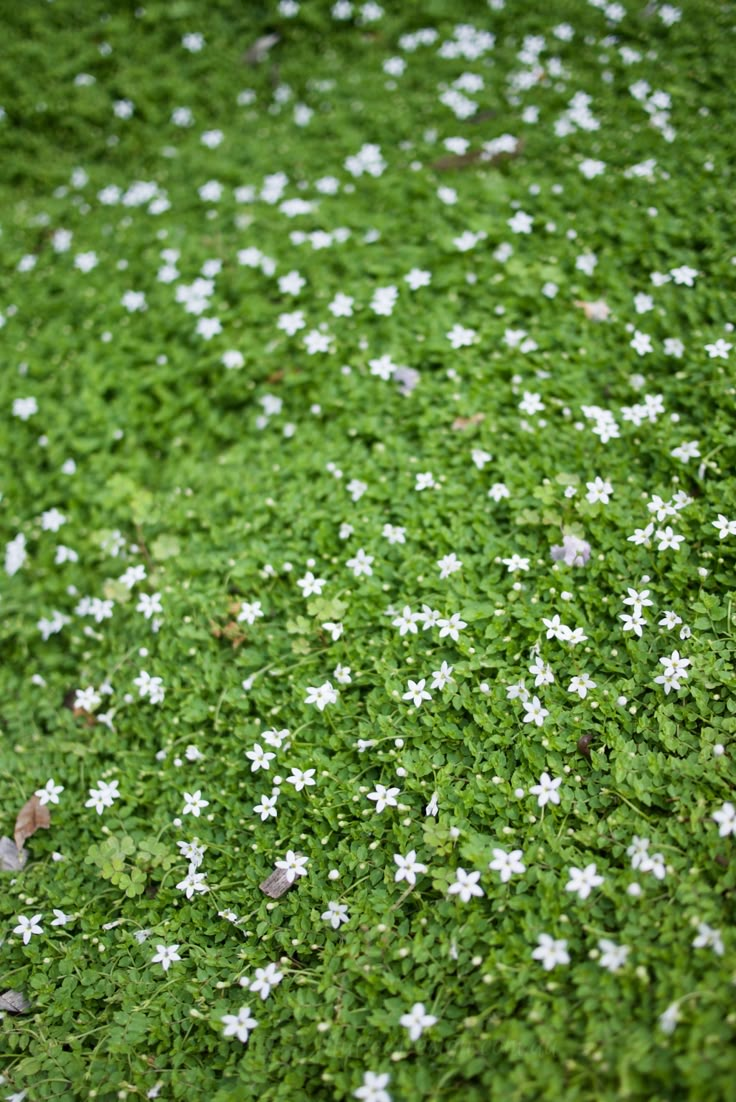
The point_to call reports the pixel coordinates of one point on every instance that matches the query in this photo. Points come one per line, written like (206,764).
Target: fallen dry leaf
(462,423)
(594,311)
(476,157)
(276,884)
(14,1002)
(260,49)
(32,816)
(11,858)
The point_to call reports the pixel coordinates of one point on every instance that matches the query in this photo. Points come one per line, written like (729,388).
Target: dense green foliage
(301,386)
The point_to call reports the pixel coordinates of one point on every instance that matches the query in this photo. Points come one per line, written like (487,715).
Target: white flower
(165,956)
(668,538)
(301,779)
(718,350)
(669,1019)
(542,671)
(103,796)
(520,222)
(515,563)
(408,867)
(25,408)
(638,851)
(725,527)
(417,693)
(193,803)
(310,585)
(406,621)
(580,684)
(50,793)
(239,1025)
(675,668)
(498,491)
(193,882)
(265,979)
(28,927)
(15,554)
(551,952)
(149,604)
(334,629)
(417,1020)
(448,565)
(394,534)
(250,611)
(321,695)
(374,1087)
(599,490)
(293,865)
(460,337)
(335,914)
(428,617)
(708,938)
(547,790)
(452,626)
(360,563)
(442,676)
(384,797)
(726,819)
(466,885)
(507,864)
(259,758)
(424,481)
(87,699)
(582,881)
(641,343)
(417,278)
(534,712)
(613,957)
(266,808)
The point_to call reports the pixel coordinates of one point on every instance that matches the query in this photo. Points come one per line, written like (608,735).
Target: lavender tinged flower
(572,551)
(407,378)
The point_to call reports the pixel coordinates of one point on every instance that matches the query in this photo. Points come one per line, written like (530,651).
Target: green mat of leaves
(368,524)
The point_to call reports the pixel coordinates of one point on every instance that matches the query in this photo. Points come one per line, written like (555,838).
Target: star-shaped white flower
(551,952)
(384,797)
(466,885)
(408,867)
(416,692)
(582,881)
(507,864)
(417,1020)
(321,695)
(165,956)
(239,1025)
(546,791)
(293,865)
(28,927)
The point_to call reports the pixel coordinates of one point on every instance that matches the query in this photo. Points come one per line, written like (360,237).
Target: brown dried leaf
(32,816)
(584,745)
(11,858)
(276,884)
(478,157)
(462,423)
(594,311)
(456,160)
(14,1002)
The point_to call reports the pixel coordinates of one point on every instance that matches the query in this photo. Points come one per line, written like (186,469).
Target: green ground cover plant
(368,517)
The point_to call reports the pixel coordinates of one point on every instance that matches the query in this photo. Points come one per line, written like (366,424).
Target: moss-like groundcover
(368,515)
